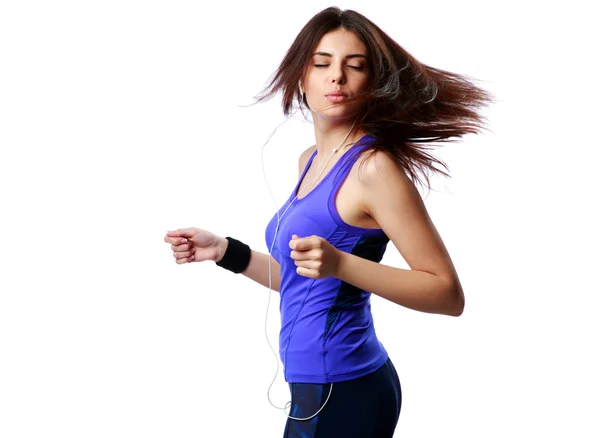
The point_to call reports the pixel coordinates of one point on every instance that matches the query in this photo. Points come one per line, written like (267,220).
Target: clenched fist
(195,245)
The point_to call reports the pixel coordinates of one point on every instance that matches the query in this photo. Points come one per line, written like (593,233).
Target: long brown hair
(407,104)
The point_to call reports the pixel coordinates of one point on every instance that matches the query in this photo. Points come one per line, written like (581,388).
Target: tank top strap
(302,175)
(349,158)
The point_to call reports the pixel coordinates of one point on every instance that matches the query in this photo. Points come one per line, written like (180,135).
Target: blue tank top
(327,333)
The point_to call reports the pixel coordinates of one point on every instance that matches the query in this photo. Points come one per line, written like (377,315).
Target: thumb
(295,236)
(182,232)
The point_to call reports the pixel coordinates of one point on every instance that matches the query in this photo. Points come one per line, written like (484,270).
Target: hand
(315,257)
(195,245)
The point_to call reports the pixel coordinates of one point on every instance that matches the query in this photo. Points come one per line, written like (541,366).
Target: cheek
(363,83)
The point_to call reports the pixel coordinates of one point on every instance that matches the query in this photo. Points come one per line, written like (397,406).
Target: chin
(340,112)
(336,114)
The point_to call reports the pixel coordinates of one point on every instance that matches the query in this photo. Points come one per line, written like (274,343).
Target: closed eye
(349,66)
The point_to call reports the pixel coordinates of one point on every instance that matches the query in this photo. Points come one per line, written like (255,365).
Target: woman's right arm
(258,268)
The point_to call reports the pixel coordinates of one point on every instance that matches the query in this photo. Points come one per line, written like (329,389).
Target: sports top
(327,333)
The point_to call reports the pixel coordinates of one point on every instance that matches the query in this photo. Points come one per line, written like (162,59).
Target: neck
(330,135)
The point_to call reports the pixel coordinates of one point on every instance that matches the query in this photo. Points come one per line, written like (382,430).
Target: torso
(349,201)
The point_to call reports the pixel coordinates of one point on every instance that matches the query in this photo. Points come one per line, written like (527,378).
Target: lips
(336,96)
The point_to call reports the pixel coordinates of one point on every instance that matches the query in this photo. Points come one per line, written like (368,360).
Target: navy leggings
(366,407)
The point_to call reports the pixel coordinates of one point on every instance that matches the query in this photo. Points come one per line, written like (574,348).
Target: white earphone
(288,404)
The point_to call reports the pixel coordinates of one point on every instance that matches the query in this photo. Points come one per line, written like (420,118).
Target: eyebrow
(354,55)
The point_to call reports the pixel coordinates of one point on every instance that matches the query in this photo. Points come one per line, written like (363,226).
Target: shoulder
(304,156)
(381,167)
(383,179)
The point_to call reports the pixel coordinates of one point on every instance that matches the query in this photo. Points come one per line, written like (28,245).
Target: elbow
(456,301)
(459,308)
(459,302)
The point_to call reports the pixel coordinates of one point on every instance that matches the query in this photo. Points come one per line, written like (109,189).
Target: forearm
(413,289)
(258,268)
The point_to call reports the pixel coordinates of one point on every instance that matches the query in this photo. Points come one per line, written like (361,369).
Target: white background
(120,120)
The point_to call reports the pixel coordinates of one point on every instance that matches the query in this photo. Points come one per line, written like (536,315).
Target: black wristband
(237,256)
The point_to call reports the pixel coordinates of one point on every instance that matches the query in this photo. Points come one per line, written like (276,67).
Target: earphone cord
(288,404)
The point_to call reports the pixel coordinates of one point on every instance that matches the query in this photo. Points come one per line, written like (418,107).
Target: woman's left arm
(432,284)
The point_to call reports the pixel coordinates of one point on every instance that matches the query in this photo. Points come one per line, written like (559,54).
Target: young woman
(373,106)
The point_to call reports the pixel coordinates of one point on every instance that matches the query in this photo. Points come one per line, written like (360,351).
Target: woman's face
(338,65)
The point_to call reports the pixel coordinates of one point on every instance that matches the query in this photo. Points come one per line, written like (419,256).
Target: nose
(337,74)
